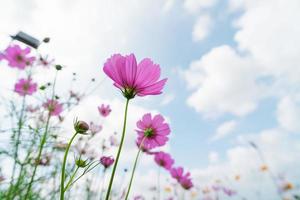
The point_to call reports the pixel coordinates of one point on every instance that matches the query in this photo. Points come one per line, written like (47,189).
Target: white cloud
(193,6)
(202,28)
(268,30)
(225,129)
(288,114)
(232,80)
(223,81)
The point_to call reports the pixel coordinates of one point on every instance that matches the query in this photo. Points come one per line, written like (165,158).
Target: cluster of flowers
(142,79)
(36,112)
(133,79)
(21,59)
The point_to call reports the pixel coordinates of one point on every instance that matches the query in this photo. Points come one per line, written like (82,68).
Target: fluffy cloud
(193,6)
(288,114)
(223,81)
(276,46)
(232,80)
(202,27)
(225,129)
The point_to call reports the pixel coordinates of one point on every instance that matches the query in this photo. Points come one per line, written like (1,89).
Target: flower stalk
(63,173)
(119,152)
(134,168)
(43,141)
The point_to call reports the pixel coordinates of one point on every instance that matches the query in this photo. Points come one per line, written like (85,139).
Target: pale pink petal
(131,70)
(148,73)
(147,120)
(154,89)
(112,66)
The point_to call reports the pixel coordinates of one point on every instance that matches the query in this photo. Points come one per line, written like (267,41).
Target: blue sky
(233,70)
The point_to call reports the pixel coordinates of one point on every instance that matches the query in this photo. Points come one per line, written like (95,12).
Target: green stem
(20,125)
(118,154)
(62,191)
(85,172)
(71,179)
(43,141)
(26,161)
(133,170)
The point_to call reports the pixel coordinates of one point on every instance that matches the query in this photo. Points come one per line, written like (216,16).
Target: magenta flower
(134,79)
(25,87)
(104,110)
(163,159)
(152,132)
(17,57)
(177,173)
(106,161)
(54,107)
(183,179)
(186,182)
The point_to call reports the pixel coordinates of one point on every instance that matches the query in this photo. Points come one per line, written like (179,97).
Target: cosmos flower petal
(133,79)
(158,120)
(130,69)
(154,89)
(112,66)
(148,73)
(147,120)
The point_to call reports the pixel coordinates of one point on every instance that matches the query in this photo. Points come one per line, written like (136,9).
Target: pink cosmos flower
(104,110)
(138,197)
(17,57)
(94,128)
(152,132)
(229,192)
(184,179)
(177,173)
(186,182)
(45,61)
(106,161)
(134,79)
(163,159)
(54,107)
(25,87)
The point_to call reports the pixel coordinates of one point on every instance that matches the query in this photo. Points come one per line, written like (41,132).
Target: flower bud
(81,127)
(81,163)
(58,67)
(106,161)
(42,87)
(46,40)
